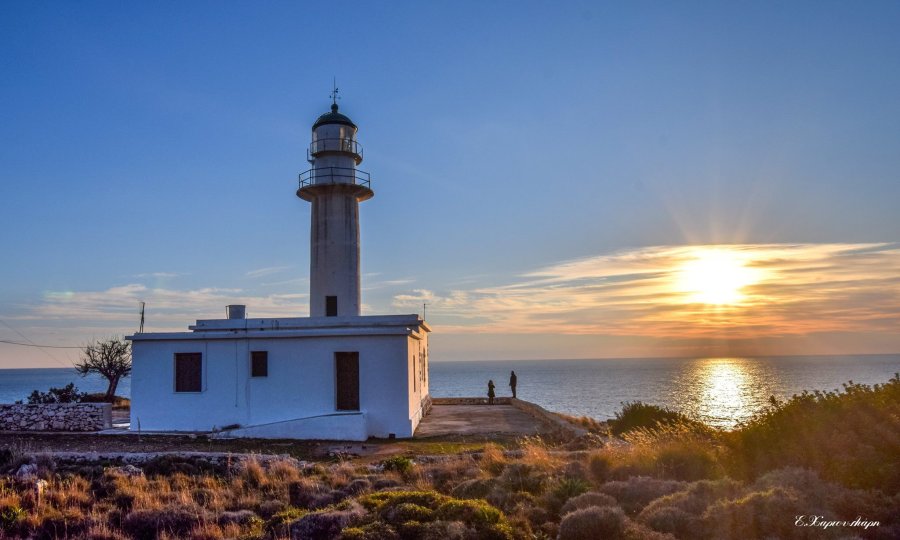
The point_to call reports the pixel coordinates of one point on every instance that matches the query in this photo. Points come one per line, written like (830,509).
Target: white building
(333,375)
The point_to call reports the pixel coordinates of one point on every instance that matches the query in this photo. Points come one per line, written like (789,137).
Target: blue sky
(150,151)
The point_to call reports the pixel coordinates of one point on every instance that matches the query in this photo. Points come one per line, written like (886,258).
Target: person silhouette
(512,382)
(491,392)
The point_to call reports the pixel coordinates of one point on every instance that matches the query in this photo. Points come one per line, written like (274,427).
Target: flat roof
(294,327)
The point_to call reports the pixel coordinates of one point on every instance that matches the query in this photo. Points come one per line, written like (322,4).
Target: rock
(26,472)
(128,470)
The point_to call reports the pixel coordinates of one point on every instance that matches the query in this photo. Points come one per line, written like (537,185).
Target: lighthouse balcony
(344,145)
(334,175)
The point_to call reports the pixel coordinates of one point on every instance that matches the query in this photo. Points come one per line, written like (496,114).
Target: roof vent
(236,311)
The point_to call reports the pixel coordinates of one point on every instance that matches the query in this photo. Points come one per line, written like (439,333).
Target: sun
(715,276)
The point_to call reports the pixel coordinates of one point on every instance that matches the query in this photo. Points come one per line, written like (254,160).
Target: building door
(347,371)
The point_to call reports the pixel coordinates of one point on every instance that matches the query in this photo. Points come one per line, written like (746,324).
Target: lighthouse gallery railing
(334,175)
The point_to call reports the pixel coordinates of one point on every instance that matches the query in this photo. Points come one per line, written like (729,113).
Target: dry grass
(668,480)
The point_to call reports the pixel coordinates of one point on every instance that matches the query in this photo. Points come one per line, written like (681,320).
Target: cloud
(170,308)
(800,289)
(159,275)
(268,271)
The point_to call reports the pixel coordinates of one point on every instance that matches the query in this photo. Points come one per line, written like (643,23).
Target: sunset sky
(555,180)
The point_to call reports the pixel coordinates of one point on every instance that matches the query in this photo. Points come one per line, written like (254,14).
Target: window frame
(262,356)
(331,301)
(199,377)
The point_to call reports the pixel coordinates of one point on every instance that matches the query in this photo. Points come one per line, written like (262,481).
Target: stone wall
(56,417)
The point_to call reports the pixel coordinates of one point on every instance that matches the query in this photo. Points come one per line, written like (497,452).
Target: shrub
(843,435)
(168,465)
(761,514)
(175,520)
(472,511)
(492,459)
(372,531)
(686,461)
(697,497)
(562,491)
(325,525)
(401,464)
(384,499)
(303,493)
(477,488)
(239,517)
(523,477)
(635,493)
(591,498)
(279,524)
(12,518)
(267,509)
(404,512)
(67,394)
(567,488)
(592,523)
(599,465)
(636,415)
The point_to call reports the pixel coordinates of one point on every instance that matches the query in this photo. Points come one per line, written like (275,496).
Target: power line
(42,349)
(36,345)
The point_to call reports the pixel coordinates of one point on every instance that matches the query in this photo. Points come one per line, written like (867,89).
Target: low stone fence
(553,420)
(56,417)
(469,401)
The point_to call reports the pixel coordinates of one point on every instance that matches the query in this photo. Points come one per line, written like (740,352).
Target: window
(331,306)
(259,364)
(188,372)
(347,375)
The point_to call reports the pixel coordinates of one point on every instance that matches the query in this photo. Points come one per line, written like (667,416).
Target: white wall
(417,380)
(300,382)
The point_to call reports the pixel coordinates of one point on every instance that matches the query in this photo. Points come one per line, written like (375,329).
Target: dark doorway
(331,306)
(347,371)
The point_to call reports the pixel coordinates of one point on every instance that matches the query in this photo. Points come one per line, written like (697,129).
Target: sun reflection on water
(724,391)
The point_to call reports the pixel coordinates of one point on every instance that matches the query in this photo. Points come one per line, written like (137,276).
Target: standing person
(512,382)
(491,392)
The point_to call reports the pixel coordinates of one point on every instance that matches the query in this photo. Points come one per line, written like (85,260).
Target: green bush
(843,435)
(637,415)
(11,518)
(279,524)
(372,531)
(385,499)
(472,511)
(67,394)
(401,464)
(404,512)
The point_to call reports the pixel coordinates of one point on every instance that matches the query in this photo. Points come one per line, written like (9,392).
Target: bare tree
(110,358)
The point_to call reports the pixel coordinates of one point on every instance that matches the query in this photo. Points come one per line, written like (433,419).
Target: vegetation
(67,394)
(109,358)
(659,480)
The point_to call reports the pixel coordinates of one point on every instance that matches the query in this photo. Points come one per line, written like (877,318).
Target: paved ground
(445,420)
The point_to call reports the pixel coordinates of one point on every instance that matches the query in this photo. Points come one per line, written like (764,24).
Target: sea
(719,391)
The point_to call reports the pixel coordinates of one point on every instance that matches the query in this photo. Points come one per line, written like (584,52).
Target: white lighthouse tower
(335,187)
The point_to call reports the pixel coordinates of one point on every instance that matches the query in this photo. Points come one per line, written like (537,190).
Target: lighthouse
(335,187)
(333,375)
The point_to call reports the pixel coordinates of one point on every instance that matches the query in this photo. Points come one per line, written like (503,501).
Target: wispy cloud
(159,275)
(170,308)
(802,289)
(268,271)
